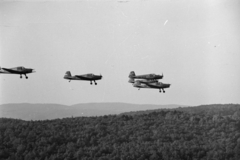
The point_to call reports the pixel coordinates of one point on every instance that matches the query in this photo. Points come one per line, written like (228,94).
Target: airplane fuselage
(17,70)
(152,85)
(152,76)
(9,71)
(145,81)
(148,76)
(85,77)
(156,85)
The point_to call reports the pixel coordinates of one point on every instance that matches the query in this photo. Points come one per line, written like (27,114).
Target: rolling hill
(210,109)
(27,111)
(201,132)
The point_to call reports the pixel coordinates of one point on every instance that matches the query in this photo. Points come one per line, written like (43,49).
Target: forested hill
(159,135)
(213,109)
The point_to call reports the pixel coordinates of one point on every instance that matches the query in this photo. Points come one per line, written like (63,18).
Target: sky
(195,44)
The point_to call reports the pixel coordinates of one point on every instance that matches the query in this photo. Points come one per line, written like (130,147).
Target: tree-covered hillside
(161,135)
(213,109)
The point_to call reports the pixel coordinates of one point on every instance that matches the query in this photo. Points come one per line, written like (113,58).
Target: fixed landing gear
(25,76)
(94,83)
(161,91)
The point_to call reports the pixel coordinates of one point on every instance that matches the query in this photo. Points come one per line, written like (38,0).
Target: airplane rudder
(68,73)
(132,74)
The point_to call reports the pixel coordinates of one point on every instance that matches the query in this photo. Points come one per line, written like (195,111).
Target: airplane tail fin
(67,75)
(132,74)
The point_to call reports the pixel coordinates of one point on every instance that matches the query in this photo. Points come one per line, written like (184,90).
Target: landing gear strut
(161,91)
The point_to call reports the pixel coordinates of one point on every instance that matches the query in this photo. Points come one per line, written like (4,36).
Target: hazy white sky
(195,44)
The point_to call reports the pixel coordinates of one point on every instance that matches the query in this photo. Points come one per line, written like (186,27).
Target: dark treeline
(213,109)
(160,135)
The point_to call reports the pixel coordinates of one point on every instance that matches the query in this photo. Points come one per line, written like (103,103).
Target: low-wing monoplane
(152,76)
(156,85)
(85,77)
(17,70)
(145,81)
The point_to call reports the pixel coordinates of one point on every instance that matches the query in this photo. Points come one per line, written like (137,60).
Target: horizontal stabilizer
(131,80)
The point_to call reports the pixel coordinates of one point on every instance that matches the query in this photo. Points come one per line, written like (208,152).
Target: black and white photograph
(119,80)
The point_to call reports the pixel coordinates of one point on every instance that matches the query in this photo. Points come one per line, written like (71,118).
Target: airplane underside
(85,80)
(14,73)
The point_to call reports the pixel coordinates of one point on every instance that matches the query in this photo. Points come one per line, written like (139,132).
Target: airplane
(87,77)
(17,70)
(157,85)
(132,75)
(145,81)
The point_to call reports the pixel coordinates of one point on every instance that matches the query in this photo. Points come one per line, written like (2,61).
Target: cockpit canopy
(90,75)
(152,75)
(20,68)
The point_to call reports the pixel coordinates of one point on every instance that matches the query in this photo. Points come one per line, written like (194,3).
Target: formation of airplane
(17,70)
(147,81)
(85,77)
(139,81)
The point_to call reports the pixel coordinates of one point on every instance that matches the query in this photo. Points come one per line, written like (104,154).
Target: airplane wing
(12,71)
(149,85)
(139,82)
(154,85)
(83,77)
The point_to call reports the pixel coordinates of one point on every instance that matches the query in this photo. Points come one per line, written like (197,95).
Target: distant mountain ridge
(210,109)
(28,111)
